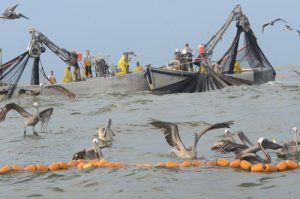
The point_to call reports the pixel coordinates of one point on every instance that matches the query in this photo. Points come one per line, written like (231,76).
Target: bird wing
(28,92)
(170,131)
(21,15)
(61,89)
(232,147)
(45,117)
(213,126)
(279,20)
(79,155)
(10,10)
(263,26)
(13,106)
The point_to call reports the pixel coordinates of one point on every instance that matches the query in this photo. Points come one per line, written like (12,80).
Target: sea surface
(269,110)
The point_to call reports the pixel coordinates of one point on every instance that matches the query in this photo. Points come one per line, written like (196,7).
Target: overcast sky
(153,29)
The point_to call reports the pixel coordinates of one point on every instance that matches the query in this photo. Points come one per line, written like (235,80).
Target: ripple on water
(35,195)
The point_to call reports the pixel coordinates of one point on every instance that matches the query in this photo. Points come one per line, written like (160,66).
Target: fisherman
(77,74)
(87,62)
(51,78)
(123,64)
(67,75)
(187,59)
(101,68)
(237,67)
(201,58)
(138,68)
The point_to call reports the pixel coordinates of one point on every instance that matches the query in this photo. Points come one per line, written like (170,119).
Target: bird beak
(23,16)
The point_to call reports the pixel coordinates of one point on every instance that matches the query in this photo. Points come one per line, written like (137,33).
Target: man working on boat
(187,55)
(67,75)
(138,68)
(123,64)
(87,62)
(51,78)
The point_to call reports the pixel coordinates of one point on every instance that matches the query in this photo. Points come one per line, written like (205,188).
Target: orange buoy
(259,167)
(41,167)
(146,165)
(223,162)
(88,166)
(171,164)
(5,169)
(235,163)
(291,164)
(80,165)
(245,165)
(270,168)
(185,163)
(73,163)
(197,163)
(122,164)
(160,164)
(30,168)
(54,166)
(82,161)
(16,167)
(63,165)
(282,166)
(212,163)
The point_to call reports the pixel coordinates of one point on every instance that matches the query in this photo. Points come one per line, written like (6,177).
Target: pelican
(106,134)
(10,13)
(52,87)
(172,137)
(298,31)
(272,23)
(29,119)
(90,153)
(288,28)
(225,145)
(290,148)
(263,144)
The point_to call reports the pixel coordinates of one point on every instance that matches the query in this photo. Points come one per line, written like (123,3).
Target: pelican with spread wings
(10,13)
(29,119)
(171,133)
(272,23)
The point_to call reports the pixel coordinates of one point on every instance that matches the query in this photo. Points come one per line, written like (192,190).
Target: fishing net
(249,56)
(11,73)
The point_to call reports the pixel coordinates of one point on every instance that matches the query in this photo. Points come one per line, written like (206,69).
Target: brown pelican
(10,13)
(90,153)
(106,134)
(290,149)
(272,23)
(29,119)
(263,144)
(172,137)
(52,87)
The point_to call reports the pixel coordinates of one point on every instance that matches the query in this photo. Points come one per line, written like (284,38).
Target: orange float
(197,163)
(270,168)
(63,165)
(259,167)
(291,164)
(160,164)
(30,168)
(73,163)
(223,162)
(185,164)
(245,165)
(80,165)
(16,167)
(54,166)
(5,169)
(41,167)
(212,163)
(88,166)
(235,163)
(146,165)
(171,164)
(282,166)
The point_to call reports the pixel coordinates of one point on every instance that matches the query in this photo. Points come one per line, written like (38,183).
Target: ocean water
(269,110)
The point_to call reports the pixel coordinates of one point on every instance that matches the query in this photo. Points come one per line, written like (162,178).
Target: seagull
(10,13)
(90,153)
(272,23)
(54,87)
(29,119)
(171,133)
(106,134)
(288,28)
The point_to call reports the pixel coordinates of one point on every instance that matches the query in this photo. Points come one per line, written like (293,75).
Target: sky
(153,29)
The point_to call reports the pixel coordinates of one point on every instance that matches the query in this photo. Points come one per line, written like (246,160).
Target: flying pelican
(52,87)
(172,137)
(298,31)
(290,149)
(29,119)
(263,144)
(90,153)
(288,28)
(10,13)
(106,134)
(272,23)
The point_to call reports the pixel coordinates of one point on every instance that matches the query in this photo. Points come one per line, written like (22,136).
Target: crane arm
(36,47)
